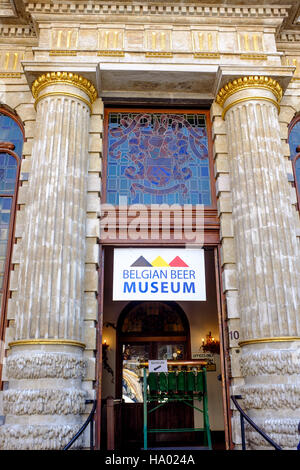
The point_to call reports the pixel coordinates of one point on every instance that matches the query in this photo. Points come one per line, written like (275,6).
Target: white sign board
(158,366)
(159,274)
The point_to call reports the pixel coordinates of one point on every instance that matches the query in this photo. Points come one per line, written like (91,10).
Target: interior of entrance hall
(182,339)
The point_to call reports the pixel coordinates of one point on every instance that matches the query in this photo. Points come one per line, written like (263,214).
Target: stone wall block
(224,203)
(218,127)
(226,226)
(235,362)
(285,149)
(220,144)
(223,183)
(27,147)
(283,130)
(11,309)
(26,112)
(98,107)
(215,110)
(91,306)
(95,162)
(92,251)
(25,166)
(286,113)
(221,164)
(92,227)
(22,195)
(229,278)
(94,182)
(90,335)
(228,251)
(93,203)
(30,127)
(96,124)
(91,278)
(91,365)
(232,302)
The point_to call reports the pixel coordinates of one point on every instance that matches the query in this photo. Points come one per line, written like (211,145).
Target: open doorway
(159,330)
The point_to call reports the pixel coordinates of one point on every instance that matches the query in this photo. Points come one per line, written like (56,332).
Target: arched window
(11,143)
(294,143)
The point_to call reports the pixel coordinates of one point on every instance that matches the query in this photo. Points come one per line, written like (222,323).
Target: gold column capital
(244,83)
(68,78)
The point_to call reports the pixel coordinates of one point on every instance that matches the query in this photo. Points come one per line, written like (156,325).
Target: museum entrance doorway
(157,331)
(139,331)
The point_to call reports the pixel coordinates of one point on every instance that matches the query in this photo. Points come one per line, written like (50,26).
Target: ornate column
(267,258)
(45,366)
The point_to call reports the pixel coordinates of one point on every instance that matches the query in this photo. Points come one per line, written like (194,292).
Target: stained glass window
(294,142)
(9,132)
(5,212)
(158,158)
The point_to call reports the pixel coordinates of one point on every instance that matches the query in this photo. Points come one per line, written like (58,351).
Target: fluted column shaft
(45,396)
(52,273)
(266,255)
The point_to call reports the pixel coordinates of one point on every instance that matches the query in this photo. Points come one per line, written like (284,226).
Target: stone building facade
(62,63)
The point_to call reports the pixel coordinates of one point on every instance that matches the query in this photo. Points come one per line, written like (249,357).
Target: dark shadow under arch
(155,335)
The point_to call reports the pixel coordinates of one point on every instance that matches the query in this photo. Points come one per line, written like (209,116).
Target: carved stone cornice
(16,31)
(157,8)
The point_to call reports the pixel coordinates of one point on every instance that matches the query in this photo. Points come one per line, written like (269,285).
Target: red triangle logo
(177,262)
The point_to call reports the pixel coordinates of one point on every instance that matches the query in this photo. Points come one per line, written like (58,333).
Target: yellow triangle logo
(159,262)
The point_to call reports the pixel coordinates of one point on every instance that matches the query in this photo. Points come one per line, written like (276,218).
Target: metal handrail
(243,416)
(89,420)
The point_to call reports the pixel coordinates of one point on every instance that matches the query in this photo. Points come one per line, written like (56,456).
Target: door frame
(224,346)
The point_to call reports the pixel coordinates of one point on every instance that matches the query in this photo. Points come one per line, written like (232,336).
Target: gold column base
(61,342)
(275,339)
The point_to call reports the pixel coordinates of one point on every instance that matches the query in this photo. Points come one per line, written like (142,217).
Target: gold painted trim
(159,54)
(250,98)
(111,53)
(206,55)
(275,339)
(67,78)
(10,75)
(249,82)
(62,342)
(62,93)
(253,57)
(61,52)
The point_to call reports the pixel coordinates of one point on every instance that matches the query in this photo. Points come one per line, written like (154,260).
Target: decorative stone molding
(271,396)
(17,31)
(249,82)
(45,365)
(39,437)
(152,9)
(270,362)
(288,36)
(44,402)
(64,78)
